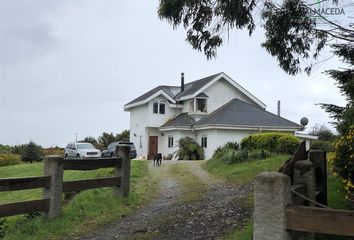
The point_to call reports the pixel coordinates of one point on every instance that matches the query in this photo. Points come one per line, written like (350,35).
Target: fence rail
(53,185)
(14,184)
(284,204)
(320,220)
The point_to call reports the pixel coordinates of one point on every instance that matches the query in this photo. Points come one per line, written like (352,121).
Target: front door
(153,142)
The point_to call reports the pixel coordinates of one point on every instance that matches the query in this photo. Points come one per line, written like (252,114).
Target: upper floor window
(201,105)
(155,107)
(158,107)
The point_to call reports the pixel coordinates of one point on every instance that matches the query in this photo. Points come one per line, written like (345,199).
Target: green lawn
(84,212)
(246,172)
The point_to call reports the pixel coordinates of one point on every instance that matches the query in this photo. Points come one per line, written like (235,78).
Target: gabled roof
(191,90)
(238,113)
(182,120)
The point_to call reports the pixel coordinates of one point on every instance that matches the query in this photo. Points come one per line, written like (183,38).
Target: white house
(212,110)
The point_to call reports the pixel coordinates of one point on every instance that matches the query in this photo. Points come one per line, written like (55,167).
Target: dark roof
(238,113)
(192,87)
(170,90)
(175,91)
(182,119)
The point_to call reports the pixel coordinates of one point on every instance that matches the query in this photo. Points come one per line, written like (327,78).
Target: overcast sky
(70,66)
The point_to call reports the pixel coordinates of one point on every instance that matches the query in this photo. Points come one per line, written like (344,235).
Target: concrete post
(53,166)
(318,158)
(304,174)
(124,152)
(271,197)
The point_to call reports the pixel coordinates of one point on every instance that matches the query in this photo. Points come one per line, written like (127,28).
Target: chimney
(182,82)
(279,108)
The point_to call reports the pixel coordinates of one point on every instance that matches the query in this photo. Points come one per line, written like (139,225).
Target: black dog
(157,159)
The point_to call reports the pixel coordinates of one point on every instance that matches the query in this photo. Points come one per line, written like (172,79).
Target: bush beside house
(189,150)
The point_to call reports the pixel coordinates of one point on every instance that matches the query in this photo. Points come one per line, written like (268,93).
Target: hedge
(272,142)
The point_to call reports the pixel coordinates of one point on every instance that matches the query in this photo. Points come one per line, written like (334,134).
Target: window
(204,142)
(201,105)
(170,141)
(141,141)
(155,107)
(162,108)
(158,107)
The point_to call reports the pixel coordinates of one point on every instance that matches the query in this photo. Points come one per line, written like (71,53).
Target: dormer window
(199,104)
(158,107)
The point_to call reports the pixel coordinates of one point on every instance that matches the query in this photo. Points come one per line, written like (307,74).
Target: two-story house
(212,110)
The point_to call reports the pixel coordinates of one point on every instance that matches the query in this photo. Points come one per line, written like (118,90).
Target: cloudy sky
(70,66)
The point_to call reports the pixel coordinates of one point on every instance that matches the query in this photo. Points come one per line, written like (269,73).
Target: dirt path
(190,205)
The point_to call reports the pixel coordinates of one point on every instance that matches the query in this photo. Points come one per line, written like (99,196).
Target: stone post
(304,174)
(271,197)
(124,152)
(53,166)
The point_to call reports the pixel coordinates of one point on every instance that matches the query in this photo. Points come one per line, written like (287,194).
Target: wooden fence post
(318,158)
(53,166)
(304,174)
(271,197)
(124,152)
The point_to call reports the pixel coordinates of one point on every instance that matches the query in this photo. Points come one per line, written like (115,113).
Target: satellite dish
(304,121)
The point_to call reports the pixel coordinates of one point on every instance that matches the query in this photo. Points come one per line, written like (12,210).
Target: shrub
(233,156)
(226,147)
(9,159)
(272,142)
(189,150)
(32,152)
(322,145)
(287,144)
(258,154)
(343,161)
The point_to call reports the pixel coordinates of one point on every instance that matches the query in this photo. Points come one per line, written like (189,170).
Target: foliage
(343,161)
(53,151)
(322,145)
(323,133)
(271,141)
(9,159)
(5,149)
(32,152)
(233,156)
(107,138)
(226,147)
(287,144)
(123,136)
(93,141)
(189,150)
(3,227)
(258,154)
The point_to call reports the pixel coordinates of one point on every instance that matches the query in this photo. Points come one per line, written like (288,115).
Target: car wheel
(66,156)
(78,156)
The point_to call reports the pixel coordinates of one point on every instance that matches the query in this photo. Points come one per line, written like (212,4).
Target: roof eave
(246,127)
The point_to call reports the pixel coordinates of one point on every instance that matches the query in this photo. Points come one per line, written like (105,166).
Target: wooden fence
(288,208)
(53,185)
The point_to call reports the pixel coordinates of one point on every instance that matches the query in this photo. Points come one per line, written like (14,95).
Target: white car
(81,150)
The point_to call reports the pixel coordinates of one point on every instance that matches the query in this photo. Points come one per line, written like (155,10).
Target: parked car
(111,149)
(81,150)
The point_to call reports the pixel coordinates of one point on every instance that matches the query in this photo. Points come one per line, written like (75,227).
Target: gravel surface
(215,209)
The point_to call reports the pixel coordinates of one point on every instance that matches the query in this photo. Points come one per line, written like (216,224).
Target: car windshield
(85,146)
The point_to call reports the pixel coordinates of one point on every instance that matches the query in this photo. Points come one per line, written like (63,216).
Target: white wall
(138,128)
(211,141)
(156,119)
(222,92)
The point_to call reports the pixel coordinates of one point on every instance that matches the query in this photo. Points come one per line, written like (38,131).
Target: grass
(246,171)
(86,211)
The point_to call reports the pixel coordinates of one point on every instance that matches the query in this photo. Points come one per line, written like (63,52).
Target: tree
(105,139)
(32,152)
(323,133)
(123,136)
(93,141)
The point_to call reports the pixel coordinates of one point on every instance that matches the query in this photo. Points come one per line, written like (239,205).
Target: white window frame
(196,103)
(159,103)
(141,141)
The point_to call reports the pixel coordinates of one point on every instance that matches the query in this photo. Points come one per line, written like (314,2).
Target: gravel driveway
(190,204)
